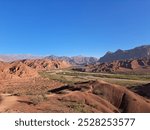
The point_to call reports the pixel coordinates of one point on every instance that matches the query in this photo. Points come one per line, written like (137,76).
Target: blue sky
(73,27)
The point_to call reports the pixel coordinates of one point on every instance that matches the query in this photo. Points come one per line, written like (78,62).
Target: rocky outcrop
(137,65)
(46,64)
(28,68)
(16,70)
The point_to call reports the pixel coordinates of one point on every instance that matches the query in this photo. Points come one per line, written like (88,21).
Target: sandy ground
(7,102)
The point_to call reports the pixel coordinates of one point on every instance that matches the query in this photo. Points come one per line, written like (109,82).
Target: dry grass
(28,87)
(70,77)
(36,99)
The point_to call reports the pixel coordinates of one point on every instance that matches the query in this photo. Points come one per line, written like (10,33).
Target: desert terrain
(53,85)
(74,56)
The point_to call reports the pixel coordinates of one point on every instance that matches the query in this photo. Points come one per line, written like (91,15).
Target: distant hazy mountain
(75,60)
(138,52)
(10,58)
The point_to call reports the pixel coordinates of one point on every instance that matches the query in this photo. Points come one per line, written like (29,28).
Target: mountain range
(135,53)
(43,84)
(14,57)
(75,60)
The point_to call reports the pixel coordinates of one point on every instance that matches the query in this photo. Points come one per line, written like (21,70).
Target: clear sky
(73,27)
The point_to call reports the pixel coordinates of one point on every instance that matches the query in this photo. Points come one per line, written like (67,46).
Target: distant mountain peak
(109,52)
(119,51)
(137,52)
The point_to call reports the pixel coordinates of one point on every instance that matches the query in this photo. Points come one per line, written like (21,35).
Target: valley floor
(65,90)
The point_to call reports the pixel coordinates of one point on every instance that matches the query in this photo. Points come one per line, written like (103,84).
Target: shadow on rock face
(143,90)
